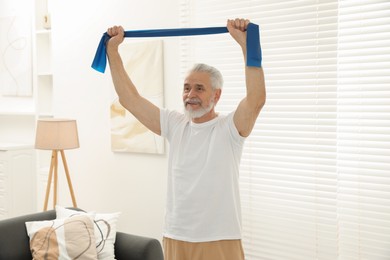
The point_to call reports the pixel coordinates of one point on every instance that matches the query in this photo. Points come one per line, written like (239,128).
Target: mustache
(192,101)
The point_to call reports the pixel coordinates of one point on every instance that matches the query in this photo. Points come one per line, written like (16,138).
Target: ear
(217,95)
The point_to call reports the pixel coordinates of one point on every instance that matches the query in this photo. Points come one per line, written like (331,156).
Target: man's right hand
(117,35)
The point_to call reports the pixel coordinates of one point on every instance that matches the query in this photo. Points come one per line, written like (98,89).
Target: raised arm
(145,111)
(251,105)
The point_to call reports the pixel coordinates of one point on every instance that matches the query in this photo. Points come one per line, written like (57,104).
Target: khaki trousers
(214,250)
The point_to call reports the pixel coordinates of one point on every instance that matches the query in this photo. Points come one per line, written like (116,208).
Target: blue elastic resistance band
(253,42)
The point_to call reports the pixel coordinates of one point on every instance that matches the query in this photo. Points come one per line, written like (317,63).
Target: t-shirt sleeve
(168,122)
(233,129)
(164,122)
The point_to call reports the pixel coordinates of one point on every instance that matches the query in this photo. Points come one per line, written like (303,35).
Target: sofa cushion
(105,230)
(70,238)
(13,232)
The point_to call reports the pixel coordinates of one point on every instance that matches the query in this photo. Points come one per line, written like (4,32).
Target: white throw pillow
(105,230)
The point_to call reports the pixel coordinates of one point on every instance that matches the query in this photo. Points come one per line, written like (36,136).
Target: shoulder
(171,115)
(170,120)
(226,118)
(229,121)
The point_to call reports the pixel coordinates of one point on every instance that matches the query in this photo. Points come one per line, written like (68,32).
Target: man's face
(198,95)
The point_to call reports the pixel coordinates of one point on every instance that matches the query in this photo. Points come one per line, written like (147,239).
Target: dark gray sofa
(14,241)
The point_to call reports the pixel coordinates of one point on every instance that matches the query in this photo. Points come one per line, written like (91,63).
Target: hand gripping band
(253,42)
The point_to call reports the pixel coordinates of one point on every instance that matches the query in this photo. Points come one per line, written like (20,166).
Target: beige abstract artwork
(143,62)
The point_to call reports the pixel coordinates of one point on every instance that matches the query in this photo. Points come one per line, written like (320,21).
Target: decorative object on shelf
(57,135)
(47,21)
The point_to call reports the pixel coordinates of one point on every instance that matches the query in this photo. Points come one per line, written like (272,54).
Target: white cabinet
(17,180)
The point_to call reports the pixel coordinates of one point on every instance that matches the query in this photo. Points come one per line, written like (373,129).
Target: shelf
(43,115)
(43,31)
(44,74)
(17,113)
(43,54)
(45,95)
(14,146)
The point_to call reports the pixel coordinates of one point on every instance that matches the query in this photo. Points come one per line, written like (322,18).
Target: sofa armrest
(14,241)
(132,247)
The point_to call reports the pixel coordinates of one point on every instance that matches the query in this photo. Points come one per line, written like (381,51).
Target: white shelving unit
(43,61)
(43,89)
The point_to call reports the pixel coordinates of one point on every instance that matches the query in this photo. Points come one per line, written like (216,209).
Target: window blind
(315,172)
(363,129)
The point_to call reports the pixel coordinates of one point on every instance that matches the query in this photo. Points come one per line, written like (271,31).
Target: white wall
(134,184)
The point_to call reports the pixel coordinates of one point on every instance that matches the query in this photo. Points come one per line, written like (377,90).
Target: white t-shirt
(203,201)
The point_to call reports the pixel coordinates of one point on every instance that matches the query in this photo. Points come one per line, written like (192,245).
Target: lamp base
(53,172)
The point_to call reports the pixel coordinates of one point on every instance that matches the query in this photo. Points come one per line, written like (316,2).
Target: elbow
(122,102)
(263,101)
(128,100)
(260,102)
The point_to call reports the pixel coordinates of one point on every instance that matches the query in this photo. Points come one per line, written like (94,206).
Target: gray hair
(215,75)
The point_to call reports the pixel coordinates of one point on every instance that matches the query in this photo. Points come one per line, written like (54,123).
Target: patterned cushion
(70,238)
(105,230)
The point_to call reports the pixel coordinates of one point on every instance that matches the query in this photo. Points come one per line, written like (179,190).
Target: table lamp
(57,135)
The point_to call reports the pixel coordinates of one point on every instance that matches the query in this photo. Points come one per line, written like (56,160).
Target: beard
(196,113)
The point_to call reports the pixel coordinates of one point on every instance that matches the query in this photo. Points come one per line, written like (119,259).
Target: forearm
(255,84)
(124,87)
(255,87)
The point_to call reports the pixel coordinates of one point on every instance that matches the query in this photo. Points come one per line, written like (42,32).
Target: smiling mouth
(192,102)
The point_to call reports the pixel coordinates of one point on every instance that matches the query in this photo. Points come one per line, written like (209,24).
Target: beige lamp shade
(56,134)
